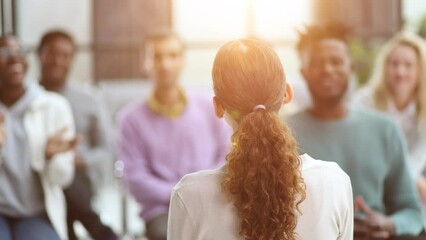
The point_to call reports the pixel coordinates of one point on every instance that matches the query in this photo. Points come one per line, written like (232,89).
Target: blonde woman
(265,191)
(398,87)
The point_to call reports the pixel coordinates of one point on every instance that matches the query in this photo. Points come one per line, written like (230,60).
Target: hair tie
(260,106)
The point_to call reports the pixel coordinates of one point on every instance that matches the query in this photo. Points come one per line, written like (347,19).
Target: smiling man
(366,145)
(56,54)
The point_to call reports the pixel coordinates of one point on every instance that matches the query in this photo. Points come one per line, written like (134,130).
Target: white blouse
(199,210)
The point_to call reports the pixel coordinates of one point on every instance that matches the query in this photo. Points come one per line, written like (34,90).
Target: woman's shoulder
(205,180)
(320,170)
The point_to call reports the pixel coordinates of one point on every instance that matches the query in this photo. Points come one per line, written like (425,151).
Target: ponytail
(263,177)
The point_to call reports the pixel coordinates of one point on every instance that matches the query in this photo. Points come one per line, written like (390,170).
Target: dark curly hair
(53,35)
(315,33)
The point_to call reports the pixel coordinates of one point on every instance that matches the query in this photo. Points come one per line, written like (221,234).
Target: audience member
(36,136)
(398,87)
(174,133)
(56,51)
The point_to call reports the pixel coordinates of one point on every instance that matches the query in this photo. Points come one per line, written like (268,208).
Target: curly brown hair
(262,176)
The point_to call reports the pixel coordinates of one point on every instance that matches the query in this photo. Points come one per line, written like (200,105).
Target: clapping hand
(57,144)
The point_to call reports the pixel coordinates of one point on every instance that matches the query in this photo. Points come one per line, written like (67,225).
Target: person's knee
(39,228)
(5,233)
(156,229)
(156,234)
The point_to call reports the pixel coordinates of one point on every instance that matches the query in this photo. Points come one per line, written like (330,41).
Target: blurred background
(109,36)
(109,33)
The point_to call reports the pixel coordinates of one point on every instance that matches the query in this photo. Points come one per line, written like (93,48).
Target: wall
(36,17)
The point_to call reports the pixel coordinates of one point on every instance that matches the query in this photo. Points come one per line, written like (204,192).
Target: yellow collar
(173,111)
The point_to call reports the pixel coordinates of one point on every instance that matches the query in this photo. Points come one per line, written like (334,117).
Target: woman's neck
(401,101)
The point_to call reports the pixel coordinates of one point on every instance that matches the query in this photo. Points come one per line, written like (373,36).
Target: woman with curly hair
(265,191)
(398,88)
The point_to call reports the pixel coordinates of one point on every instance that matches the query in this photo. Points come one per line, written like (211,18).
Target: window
(220,20)
(205,25)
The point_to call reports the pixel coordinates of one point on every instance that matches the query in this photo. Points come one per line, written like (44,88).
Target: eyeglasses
(7,53)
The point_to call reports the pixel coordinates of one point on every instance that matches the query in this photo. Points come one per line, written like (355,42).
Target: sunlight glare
(214,20)
(278,19)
